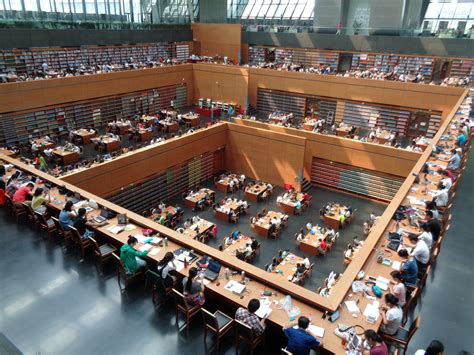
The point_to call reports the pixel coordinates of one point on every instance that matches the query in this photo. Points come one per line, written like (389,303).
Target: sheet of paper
(141,238)
(145,247)
(352,307)
(317,331)
(154,251)
(396,265)
(179,265)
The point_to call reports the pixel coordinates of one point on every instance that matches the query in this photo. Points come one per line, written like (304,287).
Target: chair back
(180,300)
(121,268)
(41,218)
(408,305)
(424,277)
(75,235)
(96,246)
(59,226)
(210,320)
(413,328)
(243,331)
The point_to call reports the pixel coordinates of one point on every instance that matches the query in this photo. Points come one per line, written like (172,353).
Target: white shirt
(447,183)
(167,269)
(421,252)
(427,237)
(441,197)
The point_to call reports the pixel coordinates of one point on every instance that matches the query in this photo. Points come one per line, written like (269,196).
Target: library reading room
(236,176)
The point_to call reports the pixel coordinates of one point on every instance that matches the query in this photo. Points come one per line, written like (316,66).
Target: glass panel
(263,11)
(433,10)
(253,13)
(289,11)
(271,10)
(298,11)
(462,11)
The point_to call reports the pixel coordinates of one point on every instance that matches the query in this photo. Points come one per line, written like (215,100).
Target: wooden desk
(67,157)
(223,184)
(145,135)
(119,127)
(342,131)
(84,134)
(170,209)
(169,126)
(8,152)
(263,224)
(191,200)
(203,227)
(287,267)
(148,120)
(309,126)
(232,206)
(42,144)
(254,192)
(111,144)
(204,111)
(310,243)
(288,206)
(383,137)
(191,119)
(333,220)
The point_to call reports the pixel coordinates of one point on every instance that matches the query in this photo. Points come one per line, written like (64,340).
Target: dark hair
(81,212)
(68,205)
(429,213)
(30,184)
(38,191)
(425,227)
(430,205)
(392,299)
(254,305)
(192,273)
(403,253)
(436,347)
(396,275)
(373,335)
(413,237)
(131,239)
(2,170)
(303,322)
(444,172)
(169,256)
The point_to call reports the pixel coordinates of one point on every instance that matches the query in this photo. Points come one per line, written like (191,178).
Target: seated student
(23,194)
(130,257)
(375,342)
(392,315)
(38,200)
(426,236)
(349,253)
(81,224)
(420,252)
(300,236)
(441,197)
(454,162)
(446,180)
(322,246)
(66,216)
(300,340)
(164,267)
(433,225)
(398,289)
(430,206)
(248,317)
(299,273)
(272,266)
(435,348)
(193,290)
(409,268)
(356,242)
(332,279)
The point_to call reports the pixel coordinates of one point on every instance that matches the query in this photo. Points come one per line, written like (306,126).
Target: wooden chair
(411,302)
(245,334)
(16,211)
(439,242)
(30,214)
(102,253)
(285,352)
(122,273)
(423,279)
(402,337)
(83,244)
(218,323)
(434,256)
(46,224)
(183,306)
(160,293)
(64,234)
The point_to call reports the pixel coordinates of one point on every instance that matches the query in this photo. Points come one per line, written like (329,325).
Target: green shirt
(37,201)
(43,166)
(127,255)
(162,220)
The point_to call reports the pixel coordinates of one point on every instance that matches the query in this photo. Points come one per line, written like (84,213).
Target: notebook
(318,331)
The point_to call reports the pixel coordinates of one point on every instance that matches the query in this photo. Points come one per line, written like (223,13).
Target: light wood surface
(217,39)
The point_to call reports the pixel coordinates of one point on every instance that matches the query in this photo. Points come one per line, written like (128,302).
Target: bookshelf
(91,113)
(256,55)
(269,101)
(355,180)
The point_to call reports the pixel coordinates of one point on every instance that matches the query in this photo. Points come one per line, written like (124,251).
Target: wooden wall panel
(360,154)
(28,95)
(218,39)
(109,177)
(269,156)
(221,83)
(417,96)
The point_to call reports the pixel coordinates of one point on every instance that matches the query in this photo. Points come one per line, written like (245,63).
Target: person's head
(38,191)
(429,215)
(2,170)
(372,337)
(31,186)
(403,253)
(254,305)
(396,275)
(430,205)
(413,238)
(303,322)
(131,240)
(425,227)
(444,173)
(440,185)
(435,348)
(169,256)
(81,212)
(68,205)
(391,300)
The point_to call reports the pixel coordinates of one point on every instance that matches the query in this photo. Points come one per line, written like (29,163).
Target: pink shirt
(21,194)
(400,292)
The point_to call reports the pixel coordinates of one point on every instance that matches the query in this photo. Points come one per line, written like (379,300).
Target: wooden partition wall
(109,177)
(22,96)
(212,39)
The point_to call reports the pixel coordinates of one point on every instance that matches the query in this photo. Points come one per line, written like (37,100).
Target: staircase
(306,185)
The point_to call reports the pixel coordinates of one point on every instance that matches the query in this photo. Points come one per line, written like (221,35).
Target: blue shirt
(454,162)
(410,272)
(65,220)
(299,341)
(461,140)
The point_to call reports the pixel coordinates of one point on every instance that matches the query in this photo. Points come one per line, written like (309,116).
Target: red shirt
(21,194)
(323,244)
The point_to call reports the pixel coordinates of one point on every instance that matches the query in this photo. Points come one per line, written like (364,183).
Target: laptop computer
(213,270)
(102,217)
(76,198)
